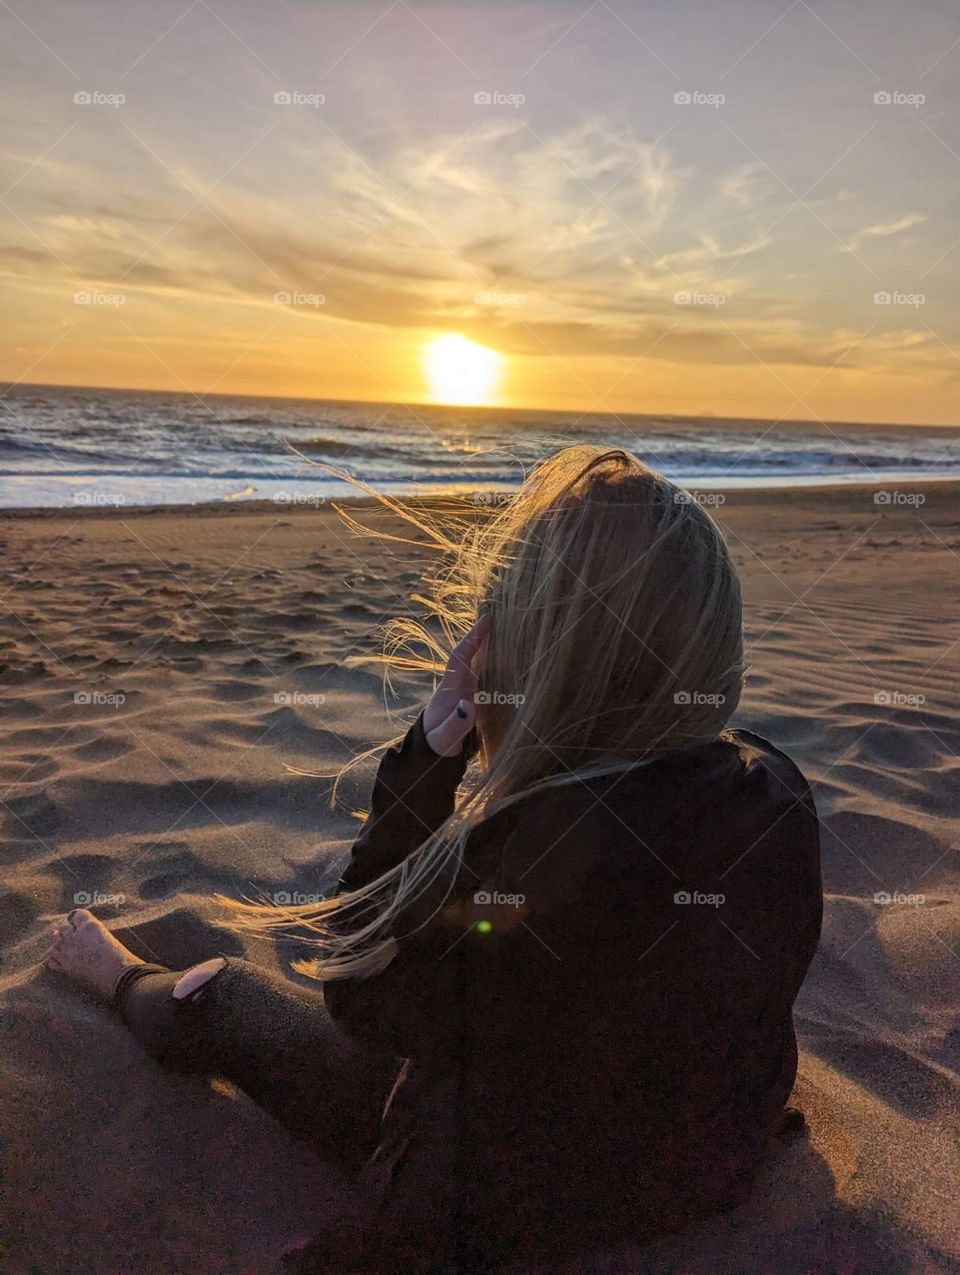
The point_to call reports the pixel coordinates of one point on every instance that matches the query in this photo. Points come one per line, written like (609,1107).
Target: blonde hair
(616,638)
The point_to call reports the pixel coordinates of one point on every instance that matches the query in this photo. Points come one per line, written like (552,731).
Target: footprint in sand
(105,748)
(17,675)
(30,817)
(17,914)
(178,938)
(235,692)
(28,768)
(254,668)
(287,621)
(161,886)
(20,709)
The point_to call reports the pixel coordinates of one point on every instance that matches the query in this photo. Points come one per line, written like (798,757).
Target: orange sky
(664,213)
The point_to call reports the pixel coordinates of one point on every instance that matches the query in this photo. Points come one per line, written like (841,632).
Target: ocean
(65,447)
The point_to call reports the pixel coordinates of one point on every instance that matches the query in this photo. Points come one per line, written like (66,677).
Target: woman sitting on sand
(556,1003)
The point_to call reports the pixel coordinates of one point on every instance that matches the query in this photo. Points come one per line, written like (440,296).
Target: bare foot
(87,952)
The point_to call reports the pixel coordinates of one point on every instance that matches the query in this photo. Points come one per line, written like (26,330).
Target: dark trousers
(273,1039)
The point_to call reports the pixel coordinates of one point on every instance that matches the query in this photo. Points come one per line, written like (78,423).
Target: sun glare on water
(460,371)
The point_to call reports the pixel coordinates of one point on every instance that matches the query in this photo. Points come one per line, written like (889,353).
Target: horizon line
(485,409)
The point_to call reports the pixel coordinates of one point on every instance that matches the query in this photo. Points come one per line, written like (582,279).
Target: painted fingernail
(463,709)
(71,915)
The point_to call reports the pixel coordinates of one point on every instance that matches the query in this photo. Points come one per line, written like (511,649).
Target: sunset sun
(460,371)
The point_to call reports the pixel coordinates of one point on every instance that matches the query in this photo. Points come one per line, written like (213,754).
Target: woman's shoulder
(739,770)
(737,758)
(756,752)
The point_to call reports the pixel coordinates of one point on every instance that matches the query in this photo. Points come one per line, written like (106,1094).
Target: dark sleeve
(413,794)
(460,950)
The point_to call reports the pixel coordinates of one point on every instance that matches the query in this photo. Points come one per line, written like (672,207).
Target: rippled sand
(162,670)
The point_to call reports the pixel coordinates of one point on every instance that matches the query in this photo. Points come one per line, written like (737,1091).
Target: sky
(744,208)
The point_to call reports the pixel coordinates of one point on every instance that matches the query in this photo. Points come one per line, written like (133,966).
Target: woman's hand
(450,716)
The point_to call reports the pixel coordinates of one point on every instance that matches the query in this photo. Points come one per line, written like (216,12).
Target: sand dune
(161,669)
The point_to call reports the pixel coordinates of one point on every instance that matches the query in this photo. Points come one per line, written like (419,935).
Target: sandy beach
(167,672)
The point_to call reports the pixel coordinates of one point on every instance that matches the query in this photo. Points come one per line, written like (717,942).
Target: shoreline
(751,495)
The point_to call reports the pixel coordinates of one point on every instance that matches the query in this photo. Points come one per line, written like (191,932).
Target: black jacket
(597,1021)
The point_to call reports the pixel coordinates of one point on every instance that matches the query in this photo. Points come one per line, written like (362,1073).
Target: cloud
(747,186)
(885,229)
(593,225)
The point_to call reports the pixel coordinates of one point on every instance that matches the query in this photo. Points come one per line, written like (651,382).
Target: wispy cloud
(884,230)
(748,186)
(596,201)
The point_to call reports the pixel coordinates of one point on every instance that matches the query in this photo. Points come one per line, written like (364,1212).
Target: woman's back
(599,1018)
(590,957)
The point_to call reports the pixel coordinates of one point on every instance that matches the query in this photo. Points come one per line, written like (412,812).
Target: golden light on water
(460,371)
